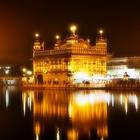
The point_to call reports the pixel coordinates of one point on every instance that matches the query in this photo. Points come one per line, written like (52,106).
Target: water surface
(69,115)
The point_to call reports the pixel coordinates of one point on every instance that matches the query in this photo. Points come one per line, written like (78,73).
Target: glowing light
(70,110)
(112,99)
(29,102)
(92,98)
(88,40)
(8,67)
(87,107)
(36,35)
(126,106)
(29,72)
(133,99)
(37,137)
(37,130)
(99,98)
(73,28)
(81,99)
(24,69)
(101,32)
(7,98)
(136,103)
(7,71)
(24,103)
(57,37)
(102,138)
(120,72)
(58,134)
(72,134)
(81,76)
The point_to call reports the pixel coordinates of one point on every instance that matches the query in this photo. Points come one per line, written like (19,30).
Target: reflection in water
(7,97)
(74,115)
(37,130)
(68,115)
(72,134)
(58,134)
(24,103)
(125,100)
(126,105)
(27,99)
(89,111)
(112,100)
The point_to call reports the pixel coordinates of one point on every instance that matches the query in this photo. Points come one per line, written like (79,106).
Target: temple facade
(72,61)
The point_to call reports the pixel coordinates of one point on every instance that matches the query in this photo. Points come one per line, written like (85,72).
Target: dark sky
(20,19)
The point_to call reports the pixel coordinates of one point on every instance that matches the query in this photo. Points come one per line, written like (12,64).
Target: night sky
(20,20)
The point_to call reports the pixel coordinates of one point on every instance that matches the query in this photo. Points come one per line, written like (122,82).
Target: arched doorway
(39,79)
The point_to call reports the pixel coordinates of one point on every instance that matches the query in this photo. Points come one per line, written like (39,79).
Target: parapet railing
(69,51)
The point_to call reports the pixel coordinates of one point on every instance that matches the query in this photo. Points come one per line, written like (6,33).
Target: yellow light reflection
(70,110)
(86,111)
(133,99)
(92,98)
(128,99)
(72,134)
(126,106)
(136,103)
(30,101)
(24,103)
(37,130)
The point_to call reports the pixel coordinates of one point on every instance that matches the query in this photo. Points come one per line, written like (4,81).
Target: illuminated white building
(117,67)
